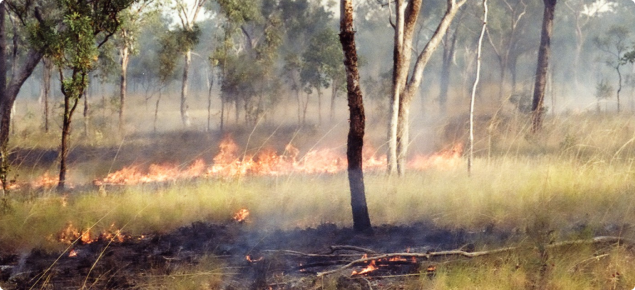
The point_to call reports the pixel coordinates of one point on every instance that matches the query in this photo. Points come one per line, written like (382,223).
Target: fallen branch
(430,255)
(351,248)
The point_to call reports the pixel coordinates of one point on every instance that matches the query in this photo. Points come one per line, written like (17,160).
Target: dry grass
(575,178)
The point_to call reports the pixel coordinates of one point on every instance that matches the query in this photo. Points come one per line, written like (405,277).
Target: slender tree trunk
(184,86)
(299,100)
(86,114)
(156,110)
(47,69)
(5,103)
(404,89)
(319,93)
(125,57)
(542,68)
(222,115)
(473,98)
(70,104)
(448,54)
(619,85)
(401,63)
(210,86)
(334,85)
(361,219)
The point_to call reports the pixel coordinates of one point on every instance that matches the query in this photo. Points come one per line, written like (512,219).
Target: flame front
(231,162)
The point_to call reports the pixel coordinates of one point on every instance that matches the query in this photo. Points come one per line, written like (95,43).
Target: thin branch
(460,253)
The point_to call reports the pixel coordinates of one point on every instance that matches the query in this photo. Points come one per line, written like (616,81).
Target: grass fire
(298,144)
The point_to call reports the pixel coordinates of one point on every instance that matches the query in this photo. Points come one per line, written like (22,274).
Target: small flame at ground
(241,215)
(70,234)
(371,267)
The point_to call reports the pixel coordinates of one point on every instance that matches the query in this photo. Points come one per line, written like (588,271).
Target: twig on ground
(430,255)
(351,248)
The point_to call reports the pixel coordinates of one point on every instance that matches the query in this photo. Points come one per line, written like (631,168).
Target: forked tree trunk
(542,67)
(184,86)
(361,219)
(405,87)
(8,92)
(125,57)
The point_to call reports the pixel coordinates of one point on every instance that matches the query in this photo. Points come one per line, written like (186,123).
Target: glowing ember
(112,234)
(12,185)
(250,260)
(241,215)
(72,253)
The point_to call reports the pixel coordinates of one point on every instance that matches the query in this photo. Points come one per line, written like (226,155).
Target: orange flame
(371,267)
(241,215)
(229,163)
(444,159)
(45,181)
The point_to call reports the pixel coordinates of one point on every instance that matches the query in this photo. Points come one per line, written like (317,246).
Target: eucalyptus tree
(323,67)
(188,12)
(357,121)
(37,19)
(584,14)
(248,54)
(615,44)
(405,82)
(544,52)
(74,47)
(509,35)
(126,41)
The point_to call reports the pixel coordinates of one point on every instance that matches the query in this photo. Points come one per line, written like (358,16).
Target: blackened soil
(123,265)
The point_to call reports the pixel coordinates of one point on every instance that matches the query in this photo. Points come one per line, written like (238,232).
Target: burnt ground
(274,265)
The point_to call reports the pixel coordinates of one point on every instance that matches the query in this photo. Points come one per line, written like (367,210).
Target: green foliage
(323,61)
(173,43)
(603,90)
(629,57)
(614,45)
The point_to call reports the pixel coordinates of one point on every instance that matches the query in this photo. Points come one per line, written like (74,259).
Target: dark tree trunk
(86,114)
(123,85)
(210,86)
(184,87)
(361,219)
(542,68)
(46,90)
(4,100)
